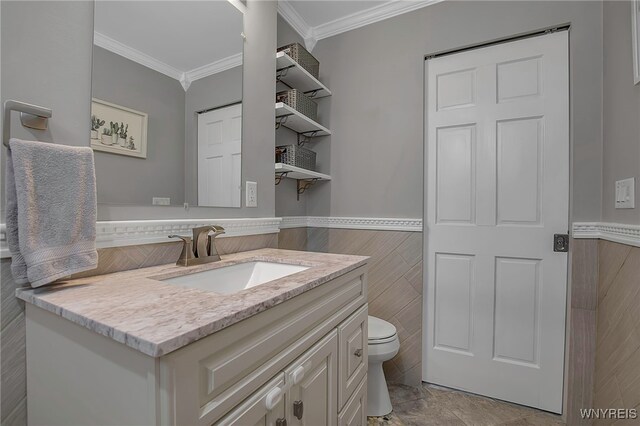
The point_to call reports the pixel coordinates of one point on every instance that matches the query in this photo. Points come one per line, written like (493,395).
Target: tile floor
(434,405)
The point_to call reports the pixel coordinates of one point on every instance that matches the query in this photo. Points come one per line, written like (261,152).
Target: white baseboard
(616,232)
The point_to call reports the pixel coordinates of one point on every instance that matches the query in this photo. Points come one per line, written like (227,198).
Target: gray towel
(51,211)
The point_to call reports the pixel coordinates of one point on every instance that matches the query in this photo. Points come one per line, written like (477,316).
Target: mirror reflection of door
(147,90)
(219,156)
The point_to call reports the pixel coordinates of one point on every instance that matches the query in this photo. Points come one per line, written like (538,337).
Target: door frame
(568,356)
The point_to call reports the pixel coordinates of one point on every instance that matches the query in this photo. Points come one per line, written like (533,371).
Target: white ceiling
(183,35)
(318,19)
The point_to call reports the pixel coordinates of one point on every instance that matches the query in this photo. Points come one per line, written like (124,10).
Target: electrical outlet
(161,201)
(625,194)
(251,194)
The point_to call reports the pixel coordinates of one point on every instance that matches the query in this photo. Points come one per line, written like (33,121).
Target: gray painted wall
(621,132)
(46,59)
(45,62)
(129,180)
(376,76)
(210,92)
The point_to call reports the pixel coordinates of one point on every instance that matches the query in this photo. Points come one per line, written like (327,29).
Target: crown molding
(365,223)
(214,67)
(298,23)
(369,16)
(135,55)
(616,232)
(184,77)
(311,35)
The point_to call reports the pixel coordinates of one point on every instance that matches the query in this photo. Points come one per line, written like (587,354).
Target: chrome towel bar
(32,116)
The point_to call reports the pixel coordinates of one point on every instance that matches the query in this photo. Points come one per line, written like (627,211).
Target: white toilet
(383,345)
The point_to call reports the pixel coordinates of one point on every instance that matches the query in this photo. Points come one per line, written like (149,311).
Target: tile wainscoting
(395,282)
(617,342)
(603,281)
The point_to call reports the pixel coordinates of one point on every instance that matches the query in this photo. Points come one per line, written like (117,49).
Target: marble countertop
(153,317)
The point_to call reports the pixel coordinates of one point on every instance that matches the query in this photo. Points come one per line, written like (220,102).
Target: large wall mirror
(166,110)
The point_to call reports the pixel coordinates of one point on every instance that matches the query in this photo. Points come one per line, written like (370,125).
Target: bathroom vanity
(152,347)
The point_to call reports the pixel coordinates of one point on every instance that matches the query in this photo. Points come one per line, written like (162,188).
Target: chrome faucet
(202,248)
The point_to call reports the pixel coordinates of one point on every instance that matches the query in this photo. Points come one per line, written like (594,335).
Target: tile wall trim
(134,232)
(125,233)
(370,223)
(616,232)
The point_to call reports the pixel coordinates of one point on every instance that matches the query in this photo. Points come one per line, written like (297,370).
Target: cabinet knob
(298,409)
(297,375)
(273,398)
(281,421)
(358,353)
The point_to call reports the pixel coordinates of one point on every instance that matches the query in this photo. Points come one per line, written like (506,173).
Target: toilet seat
(381,331)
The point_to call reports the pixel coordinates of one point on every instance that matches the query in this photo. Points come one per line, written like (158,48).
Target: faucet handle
(217,230)
(187,251)
(200,240)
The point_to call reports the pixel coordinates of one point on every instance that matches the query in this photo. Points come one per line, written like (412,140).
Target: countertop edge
(159,349)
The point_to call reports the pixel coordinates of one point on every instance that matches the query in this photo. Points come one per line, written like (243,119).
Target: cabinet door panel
(313,381)
(261,408)
(352,359)
(355,412)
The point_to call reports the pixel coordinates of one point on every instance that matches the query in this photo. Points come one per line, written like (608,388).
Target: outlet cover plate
(161,201)
(625,194)
(251,194)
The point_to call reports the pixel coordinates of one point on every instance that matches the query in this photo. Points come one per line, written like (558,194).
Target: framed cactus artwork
(118,130)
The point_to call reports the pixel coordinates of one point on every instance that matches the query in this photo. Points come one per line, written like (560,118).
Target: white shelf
(299,78)
(300,173)
(299,122)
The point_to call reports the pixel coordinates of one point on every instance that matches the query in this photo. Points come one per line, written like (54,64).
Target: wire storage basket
(302,56)
(294,155)
(300,102)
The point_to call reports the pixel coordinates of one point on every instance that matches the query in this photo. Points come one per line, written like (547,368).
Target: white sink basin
(234,278)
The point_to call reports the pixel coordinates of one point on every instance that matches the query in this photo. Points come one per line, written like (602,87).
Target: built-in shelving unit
(298,122)
(293,75)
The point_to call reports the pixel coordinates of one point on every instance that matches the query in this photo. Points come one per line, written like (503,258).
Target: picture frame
(635,38)
(117,129)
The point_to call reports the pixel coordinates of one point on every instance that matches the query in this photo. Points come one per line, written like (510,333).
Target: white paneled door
(497,130)
(220,157)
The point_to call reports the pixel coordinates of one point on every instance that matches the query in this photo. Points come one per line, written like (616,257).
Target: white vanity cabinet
(300,362)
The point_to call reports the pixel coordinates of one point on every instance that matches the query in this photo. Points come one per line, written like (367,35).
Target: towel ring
(32,116)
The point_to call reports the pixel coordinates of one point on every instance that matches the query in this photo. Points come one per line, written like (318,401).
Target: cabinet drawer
(352,358)
(355,412)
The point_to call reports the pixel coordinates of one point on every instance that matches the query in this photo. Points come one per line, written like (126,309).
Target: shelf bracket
(306,137)
(282,73)
(312,93)
(304,184)
(280,176)
(281,120)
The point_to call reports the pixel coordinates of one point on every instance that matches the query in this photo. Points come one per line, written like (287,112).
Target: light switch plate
(161,201)
(251,194)
(625,194)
